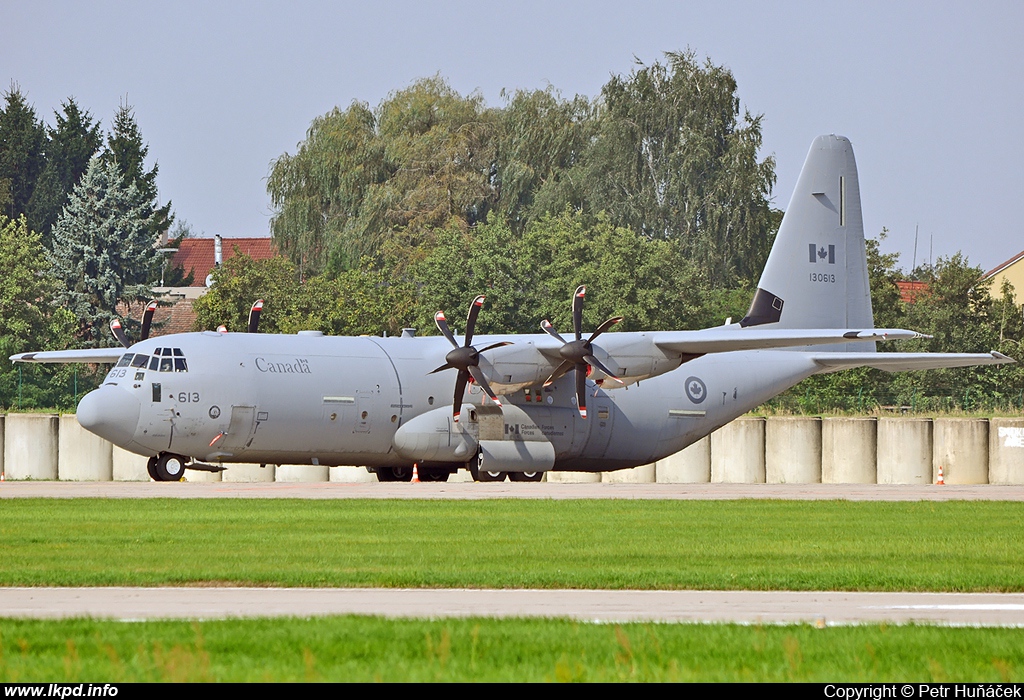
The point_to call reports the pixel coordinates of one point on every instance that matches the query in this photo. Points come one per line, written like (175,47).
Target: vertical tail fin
(817,275)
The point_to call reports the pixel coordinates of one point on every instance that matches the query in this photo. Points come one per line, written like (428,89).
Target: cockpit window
(140,360)
(125,360)
(154,363)
(179,364)
(165,364)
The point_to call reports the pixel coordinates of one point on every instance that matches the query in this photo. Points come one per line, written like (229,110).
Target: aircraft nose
(111,413)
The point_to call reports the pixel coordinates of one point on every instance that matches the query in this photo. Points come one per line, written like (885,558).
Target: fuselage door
(240,430)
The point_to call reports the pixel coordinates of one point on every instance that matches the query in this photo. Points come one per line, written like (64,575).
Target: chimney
(218,253)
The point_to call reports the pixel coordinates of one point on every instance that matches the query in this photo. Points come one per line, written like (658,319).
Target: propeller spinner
(579,354)
(465,358)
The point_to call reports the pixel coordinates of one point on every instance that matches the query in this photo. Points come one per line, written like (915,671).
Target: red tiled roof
(171,316)
(196,254)
(911,290)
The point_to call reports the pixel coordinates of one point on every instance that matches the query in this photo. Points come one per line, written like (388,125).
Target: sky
(930,93)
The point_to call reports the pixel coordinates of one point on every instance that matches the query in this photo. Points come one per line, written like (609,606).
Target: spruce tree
(22,138)
(103,252)
(69,148)
(128,151)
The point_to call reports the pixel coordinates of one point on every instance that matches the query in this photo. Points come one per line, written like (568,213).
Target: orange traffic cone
(415,474)
(941,481)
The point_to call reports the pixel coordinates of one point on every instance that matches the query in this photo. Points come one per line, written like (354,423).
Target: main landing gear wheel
(430,474)
(490,476)
(168,467)
(525,476)
(394,473)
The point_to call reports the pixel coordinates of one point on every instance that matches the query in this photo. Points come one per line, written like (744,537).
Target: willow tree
(362,178)
(675,158)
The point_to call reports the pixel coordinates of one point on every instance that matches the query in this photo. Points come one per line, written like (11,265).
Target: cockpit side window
(140,360)
(125,360)
(179,364)
(154,364)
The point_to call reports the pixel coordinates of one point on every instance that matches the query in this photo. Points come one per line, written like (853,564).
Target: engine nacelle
(434,437)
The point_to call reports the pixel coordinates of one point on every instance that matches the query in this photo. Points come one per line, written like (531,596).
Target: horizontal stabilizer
(732,338)
(97,355)
(907,361)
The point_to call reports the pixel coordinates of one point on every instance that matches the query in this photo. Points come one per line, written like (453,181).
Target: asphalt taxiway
(477,491)
(745,607)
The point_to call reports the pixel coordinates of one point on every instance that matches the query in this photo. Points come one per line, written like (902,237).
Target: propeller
(579,354)
(465,357)
(147,321)
(254,316)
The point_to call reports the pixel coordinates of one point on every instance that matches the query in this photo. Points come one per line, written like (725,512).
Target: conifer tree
(68,149)
(22,138)
(103,250)
(128,151)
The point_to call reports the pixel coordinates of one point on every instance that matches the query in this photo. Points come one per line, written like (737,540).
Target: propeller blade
(441,368)
(482,381)
(603,327)
(496,345)
(474,311)
(254,316)
(559,371)
(115,328)
(577,310)
(546,326)
(596,364)
(581,392)
(147,319)
(442,325)
(460,390)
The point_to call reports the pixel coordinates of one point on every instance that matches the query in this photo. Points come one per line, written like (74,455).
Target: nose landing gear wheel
(525,476)
(168,467)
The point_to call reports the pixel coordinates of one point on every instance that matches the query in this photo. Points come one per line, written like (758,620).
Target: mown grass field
(374,649)
(760,545)
(766,545)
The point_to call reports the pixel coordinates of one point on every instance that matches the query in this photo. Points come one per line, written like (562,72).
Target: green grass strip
(757,545)
(375,649)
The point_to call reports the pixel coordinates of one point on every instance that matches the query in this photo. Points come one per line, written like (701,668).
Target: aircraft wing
(97,355)
(906,361)
(732,338)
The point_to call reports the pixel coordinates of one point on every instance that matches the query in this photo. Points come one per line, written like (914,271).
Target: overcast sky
(930,93)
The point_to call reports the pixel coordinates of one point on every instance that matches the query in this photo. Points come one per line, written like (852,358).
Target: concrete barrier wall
(82,456)
(904,451)
(960,447)
(573,477)
(748,450)
(1006,451)
(849,448)
(792,450)
(302,473)
(30,446)
(129,466)
(644,474)
(248,473)
(689,466)
(351,475)
(737,452)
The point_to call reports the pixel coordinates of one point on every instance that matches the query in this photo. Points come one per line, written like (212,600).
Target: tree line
(653,193)
(79,223)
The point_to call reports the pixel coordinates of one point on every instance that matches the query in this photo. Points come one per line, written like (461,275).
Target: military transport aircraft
(522,404)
